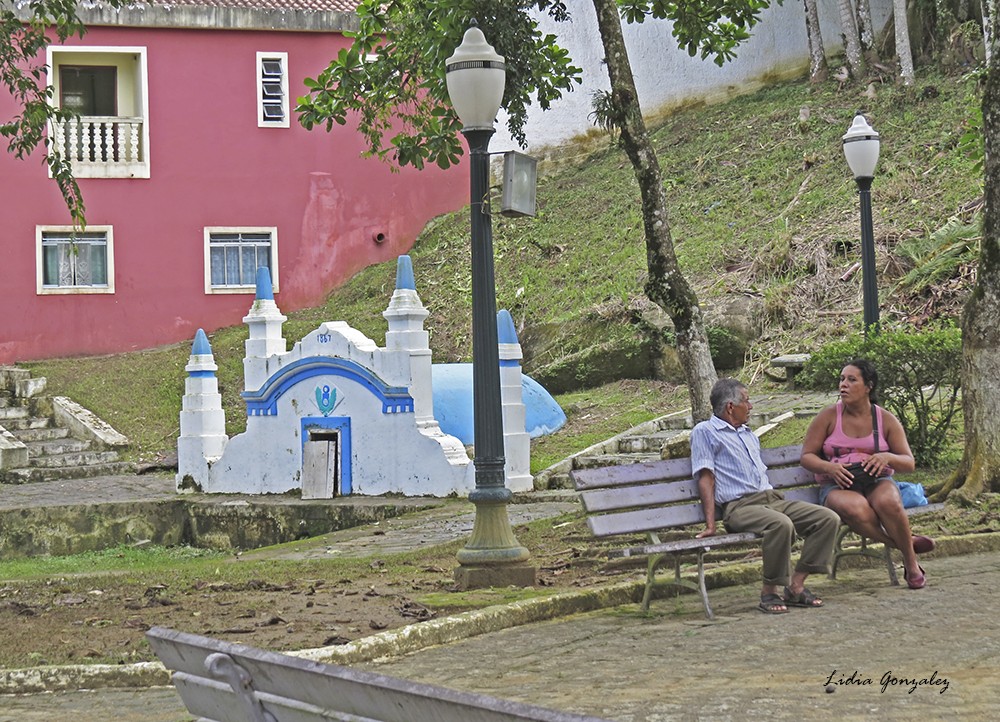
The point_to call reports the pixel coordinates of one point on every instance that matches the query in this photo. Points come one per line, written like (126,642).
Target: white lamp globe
(861,146)
(476,76)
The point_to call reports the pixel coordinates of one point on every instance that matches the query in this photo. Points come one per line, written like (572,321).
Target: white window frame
(262,121)
(138,170)
(243,288)
(42,290)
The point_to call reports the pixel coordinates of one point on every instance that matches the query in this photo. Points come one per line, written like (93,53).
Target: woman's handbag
(863,481)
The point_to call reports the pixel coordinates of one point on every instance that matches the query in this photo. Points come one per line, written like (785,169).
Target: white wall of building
(667,77)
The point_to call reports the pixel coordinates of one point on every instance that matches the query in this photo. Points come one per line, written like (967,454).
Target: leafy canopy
(391,78)
(392,75)
(22,51)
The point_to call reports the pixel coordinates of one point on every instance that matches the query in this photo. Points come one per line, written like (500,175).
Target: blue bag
(913,494)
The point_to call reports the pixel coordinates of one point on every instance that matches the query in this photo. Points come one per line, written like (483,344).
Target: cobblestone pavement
(674,665)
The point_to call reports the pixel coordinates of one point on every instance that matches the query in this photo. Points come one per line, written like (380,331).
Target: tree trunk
(980,467)
(852,46)
(666,286)
(989,8)
(903,42)
(866,31)
(819,71)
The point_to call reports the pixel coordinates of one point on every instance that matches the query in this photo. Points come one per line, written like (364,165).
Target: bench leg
(838,549)
(647,593)
(701,585)
(893,579)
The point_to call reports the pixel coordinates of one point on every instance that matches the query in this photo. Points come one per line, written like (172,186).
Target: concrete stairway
(45,438)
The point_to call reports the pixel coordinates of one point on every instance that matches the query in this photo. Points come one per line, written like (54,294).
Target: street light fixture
(492,557)
(861,146)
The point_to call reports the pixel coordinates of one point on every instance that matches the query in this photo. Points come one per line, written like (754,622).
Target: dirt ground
(102,618)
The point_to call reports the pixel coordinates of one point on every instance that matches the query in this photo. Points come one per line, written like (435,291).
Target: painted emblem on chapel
(327,399)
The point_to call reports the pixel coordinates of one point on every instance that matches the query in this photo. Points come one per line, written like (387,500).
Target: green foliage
(938,256)
(22,51)
(709,27)
(919,380)
(391,80)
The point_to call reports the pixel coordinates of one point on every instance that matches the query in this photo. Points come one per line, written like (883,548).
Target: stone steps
(13,413)
(646,443)
(34,447)
(56,447)
(25,422)
(39,432)
(32,475)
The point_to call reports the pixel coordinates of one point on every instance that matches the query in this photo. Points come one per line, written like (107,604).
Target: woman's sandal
(917,582)
(772,604)
(805,598)
(923,544)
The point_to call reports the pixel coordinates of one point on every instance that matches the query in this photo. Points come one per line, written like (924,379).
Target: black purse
(863,481)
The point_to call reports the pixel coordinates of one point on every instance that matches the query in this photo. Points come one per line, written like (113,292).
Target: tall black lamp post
(492,557)
(861,146)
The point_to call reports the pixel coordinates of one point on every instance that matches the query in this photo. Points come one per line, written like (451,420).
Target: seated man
(725,460)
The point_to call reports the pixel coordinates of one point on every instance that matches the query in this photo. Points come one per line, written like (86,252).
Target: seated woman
(857,431)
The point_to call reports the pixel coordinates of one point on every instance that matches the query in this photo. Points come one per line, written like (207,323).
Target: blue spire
(505,327)
(264,290)
(404,274)
(201,347)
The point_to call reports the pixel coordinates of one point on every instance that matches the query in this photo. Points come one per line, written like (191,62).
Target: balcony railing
(102,146)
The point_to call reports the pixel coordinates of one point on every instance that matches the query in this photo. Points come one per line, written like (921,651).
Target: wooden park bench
(657,496)
(224,682)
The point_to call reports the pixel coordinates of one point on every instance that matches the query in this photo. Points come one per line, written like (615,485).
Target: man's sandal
(805,598)
(772,604)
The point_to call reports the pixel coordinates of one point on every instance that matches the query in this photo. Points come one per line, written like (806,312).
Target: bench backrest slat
(790,476)
(643,520)
(627,474)
(645,495)
(781,455)
(305,691)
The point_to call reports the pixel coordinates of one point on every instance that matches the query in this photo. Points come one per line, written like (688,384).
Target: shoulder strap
(875,428)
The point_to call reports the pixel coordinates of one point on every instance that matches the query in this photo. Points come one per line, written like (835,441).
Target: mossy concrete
(196,520)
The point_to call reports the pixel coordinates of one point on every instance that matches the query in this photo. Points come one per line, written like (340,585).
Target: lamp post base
(501,575)
(492,557)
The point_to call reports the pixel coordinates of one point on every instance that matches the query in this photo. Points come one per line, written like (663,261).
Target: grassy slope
(763,206)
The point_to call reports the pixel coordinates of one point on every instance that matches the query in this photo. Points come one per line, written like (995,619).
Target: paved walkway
(622,665)
(673,665)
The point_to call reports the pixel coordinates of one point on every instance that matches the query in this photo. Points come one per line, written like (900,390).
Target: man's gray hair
(725,391)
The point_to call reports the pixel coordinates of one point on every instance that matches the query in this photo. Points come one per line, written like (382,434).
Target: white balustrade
(100,145)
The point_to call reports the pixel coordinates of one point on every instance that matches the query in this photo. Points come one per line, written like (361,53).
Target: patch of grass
(790,431)
(152,559)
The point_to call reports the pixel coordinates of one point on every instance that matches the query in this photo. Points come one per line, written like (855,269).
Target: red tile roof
(313,5)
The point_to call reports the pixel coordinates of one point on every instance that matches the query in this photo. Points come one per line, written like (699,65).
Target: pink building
(195,172)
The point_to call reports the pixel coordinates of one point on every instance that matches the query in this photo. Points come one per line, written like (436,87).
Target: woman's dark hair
(868,374)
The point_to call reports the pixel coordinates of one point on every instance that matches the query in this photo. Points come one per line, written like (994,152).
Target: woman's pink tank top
(843,449)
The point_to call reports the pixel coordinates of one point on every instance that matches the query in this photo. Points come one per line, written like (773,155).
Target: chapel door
(321,465)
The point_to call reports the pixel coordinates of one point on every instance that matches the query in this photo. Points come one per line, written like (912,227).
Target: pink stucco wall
(210,166)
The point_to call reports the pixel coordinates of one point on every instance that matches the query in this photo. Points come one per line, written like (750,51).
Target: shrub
(919,380)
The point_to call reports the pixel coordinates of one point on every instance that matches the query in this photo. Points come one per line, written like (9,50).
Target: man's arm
(706,490)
